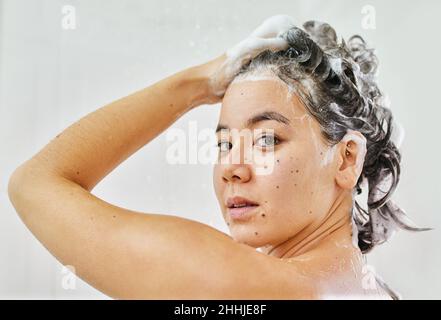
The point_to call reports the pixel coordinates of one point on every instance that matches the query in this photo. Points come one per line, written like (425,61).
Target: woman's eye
(264,141)
(224,146)
(267,140)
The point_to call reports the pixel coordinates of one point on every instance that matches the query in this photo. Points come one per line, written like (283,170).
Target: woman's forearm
(90,148)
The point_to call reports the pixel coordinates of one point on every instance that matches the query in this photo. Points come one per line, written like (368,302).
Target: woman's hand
(222,70)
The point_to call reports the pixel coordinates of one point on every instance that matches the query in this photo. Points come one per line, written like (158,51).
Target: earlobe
(353,152)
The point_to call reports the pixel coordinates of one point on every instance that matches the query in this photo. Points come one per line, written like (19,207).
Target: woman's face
(293,184)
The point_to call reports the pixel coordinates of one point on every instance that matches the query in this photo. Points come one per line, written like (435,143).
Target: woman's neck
(334,229)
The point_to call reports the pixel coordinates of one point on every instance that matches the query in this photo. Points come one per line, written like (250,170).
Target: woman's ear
(352,151)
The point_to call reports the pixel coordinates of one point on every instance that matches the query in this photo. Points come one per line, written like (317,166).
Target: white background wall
(50,77)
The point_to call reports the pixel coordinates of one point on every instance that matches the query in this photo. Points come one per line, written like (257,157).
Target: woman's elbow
(22,181)
(15,184)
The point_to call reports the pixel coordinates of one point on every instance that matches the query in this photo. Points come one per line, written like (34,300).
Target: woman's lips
(240,208)
(242,213)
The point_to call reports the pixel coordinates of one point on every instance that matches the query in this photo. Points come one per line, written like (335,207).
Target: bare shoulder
(340,273)
(211,265)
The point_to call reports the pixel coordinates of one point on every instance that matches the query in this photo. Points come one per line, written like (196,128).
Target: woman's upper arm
(126,254)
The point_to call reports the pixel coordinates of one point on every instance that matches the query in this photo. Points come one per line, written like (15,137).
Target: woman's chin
(250,238)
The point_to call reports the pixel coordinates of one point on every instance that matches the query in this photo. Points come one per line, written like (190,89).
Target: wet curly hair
(337,83)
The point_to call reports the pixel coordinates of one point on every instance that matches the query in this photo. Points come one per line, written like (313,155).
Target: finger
(274,26)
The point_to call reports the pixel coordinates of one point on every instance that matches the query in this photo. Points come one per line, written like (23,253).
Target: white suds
(397,135)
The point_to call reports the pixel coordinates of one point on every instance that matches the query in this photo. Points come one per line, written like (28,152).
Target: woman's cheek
(284,177)
(290,176)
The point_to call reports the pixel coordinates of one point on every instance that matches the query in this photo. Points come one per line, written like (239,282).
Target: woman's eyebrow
(263,116)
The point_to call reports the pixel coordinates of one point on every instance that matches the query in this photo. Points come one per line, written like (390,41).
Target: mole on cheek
(277,187)
(256,233)
(310,211)
(263,215)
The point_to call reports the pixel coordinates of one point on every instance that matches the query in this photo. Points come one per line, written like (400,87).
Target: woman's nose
(238,167)
(239,173)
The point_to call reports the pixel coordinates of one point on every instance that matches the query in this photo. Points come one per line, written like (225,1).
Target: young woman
(323,131)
